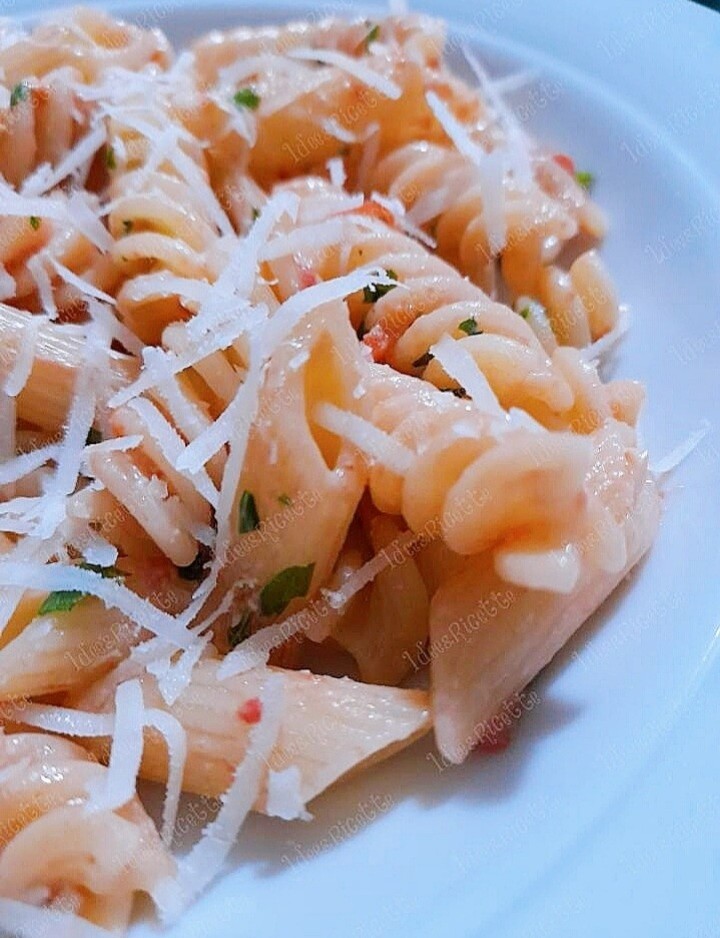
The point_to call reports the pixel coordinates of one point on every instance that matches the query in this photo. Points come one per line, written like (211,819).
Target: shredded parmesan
(490,167)
(63,720)
(374,443)
(681,452)
(602,347)
(84,286)
(255,651)
(25,357)
(459,364)
(354,67)
(56,576)
(125,753)
(22,465)
(45,177)
(336,171)
(208,856)
(284,797)
(176,741)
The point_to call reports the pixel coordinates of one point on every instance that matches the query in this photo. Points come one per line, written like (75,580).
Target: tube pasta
(488,640)
(325,732)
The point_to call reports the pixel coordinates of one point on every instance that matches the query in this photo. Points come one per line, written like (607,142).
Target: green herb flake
(34,222)
(373,292)
(248,98)
(127,225)
(423,360)
(285,500)
(255,214)
(469,327)
(372,36)
(525,312)
(284,587)
(18,94)
(240,631)
(94,436)
(248,518)
(585,179)
(110,160)
(60,601)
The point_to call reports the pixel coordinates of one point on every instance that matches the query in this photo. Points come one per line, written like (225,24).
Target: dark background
(712,4)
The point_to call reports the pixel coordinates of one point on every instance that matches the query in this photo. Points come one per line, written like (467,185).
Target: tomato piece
(563,160)
(380,343)
(375,210)
(251,711)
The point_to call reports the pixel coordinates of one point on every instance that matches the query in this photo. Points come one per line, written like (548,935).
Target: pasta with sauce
(299,387)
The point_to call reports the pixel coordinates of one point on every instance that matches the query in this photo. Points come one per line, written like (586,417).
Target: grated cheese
(62,720)
(25,357)
(459,364)
(56,576)
(681,452)
(207,857)
(46,177)
(284,797)
(360,71)
(176,741)
(378,446)
(119,784)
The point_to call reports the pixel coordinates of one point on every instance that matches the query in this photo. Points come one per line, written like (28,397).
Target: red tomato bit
(251,711)
(563,160)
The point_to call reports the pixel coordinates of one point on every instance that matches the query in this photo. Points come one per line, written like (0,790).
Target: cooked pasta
(300,398)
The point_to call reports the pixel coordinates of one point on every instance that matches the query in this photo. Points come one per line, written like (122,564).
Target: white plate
(600,818)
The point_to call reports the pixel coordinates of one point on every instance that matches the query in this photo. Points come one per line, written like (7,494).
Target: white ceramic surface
(602,818)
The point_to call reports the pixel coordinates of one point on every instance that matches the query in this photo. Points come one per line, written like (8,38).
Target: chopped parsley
(469,327)
(94,436)
(34,222)
(373,292)
(255,214)
(195,570)
(110,160)
(65,600)
(585,179)
(284,587)
(240,631)
(18,94)
(525,312)
(285,500)
(248,518)
(247,97)
(423,360)
(61,601)
(127,225)
(371,36)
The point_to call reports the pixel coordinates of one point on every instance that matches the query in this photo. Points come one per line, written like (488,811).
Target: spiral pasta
(53,853)
(402,325)
(443,192)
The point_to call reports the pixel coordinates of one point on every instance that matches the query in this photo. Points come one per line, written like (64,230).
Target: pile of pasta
(299,406)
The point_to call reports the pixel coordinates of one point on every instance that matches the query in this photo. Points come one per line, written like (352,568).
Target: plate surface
(603,817)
